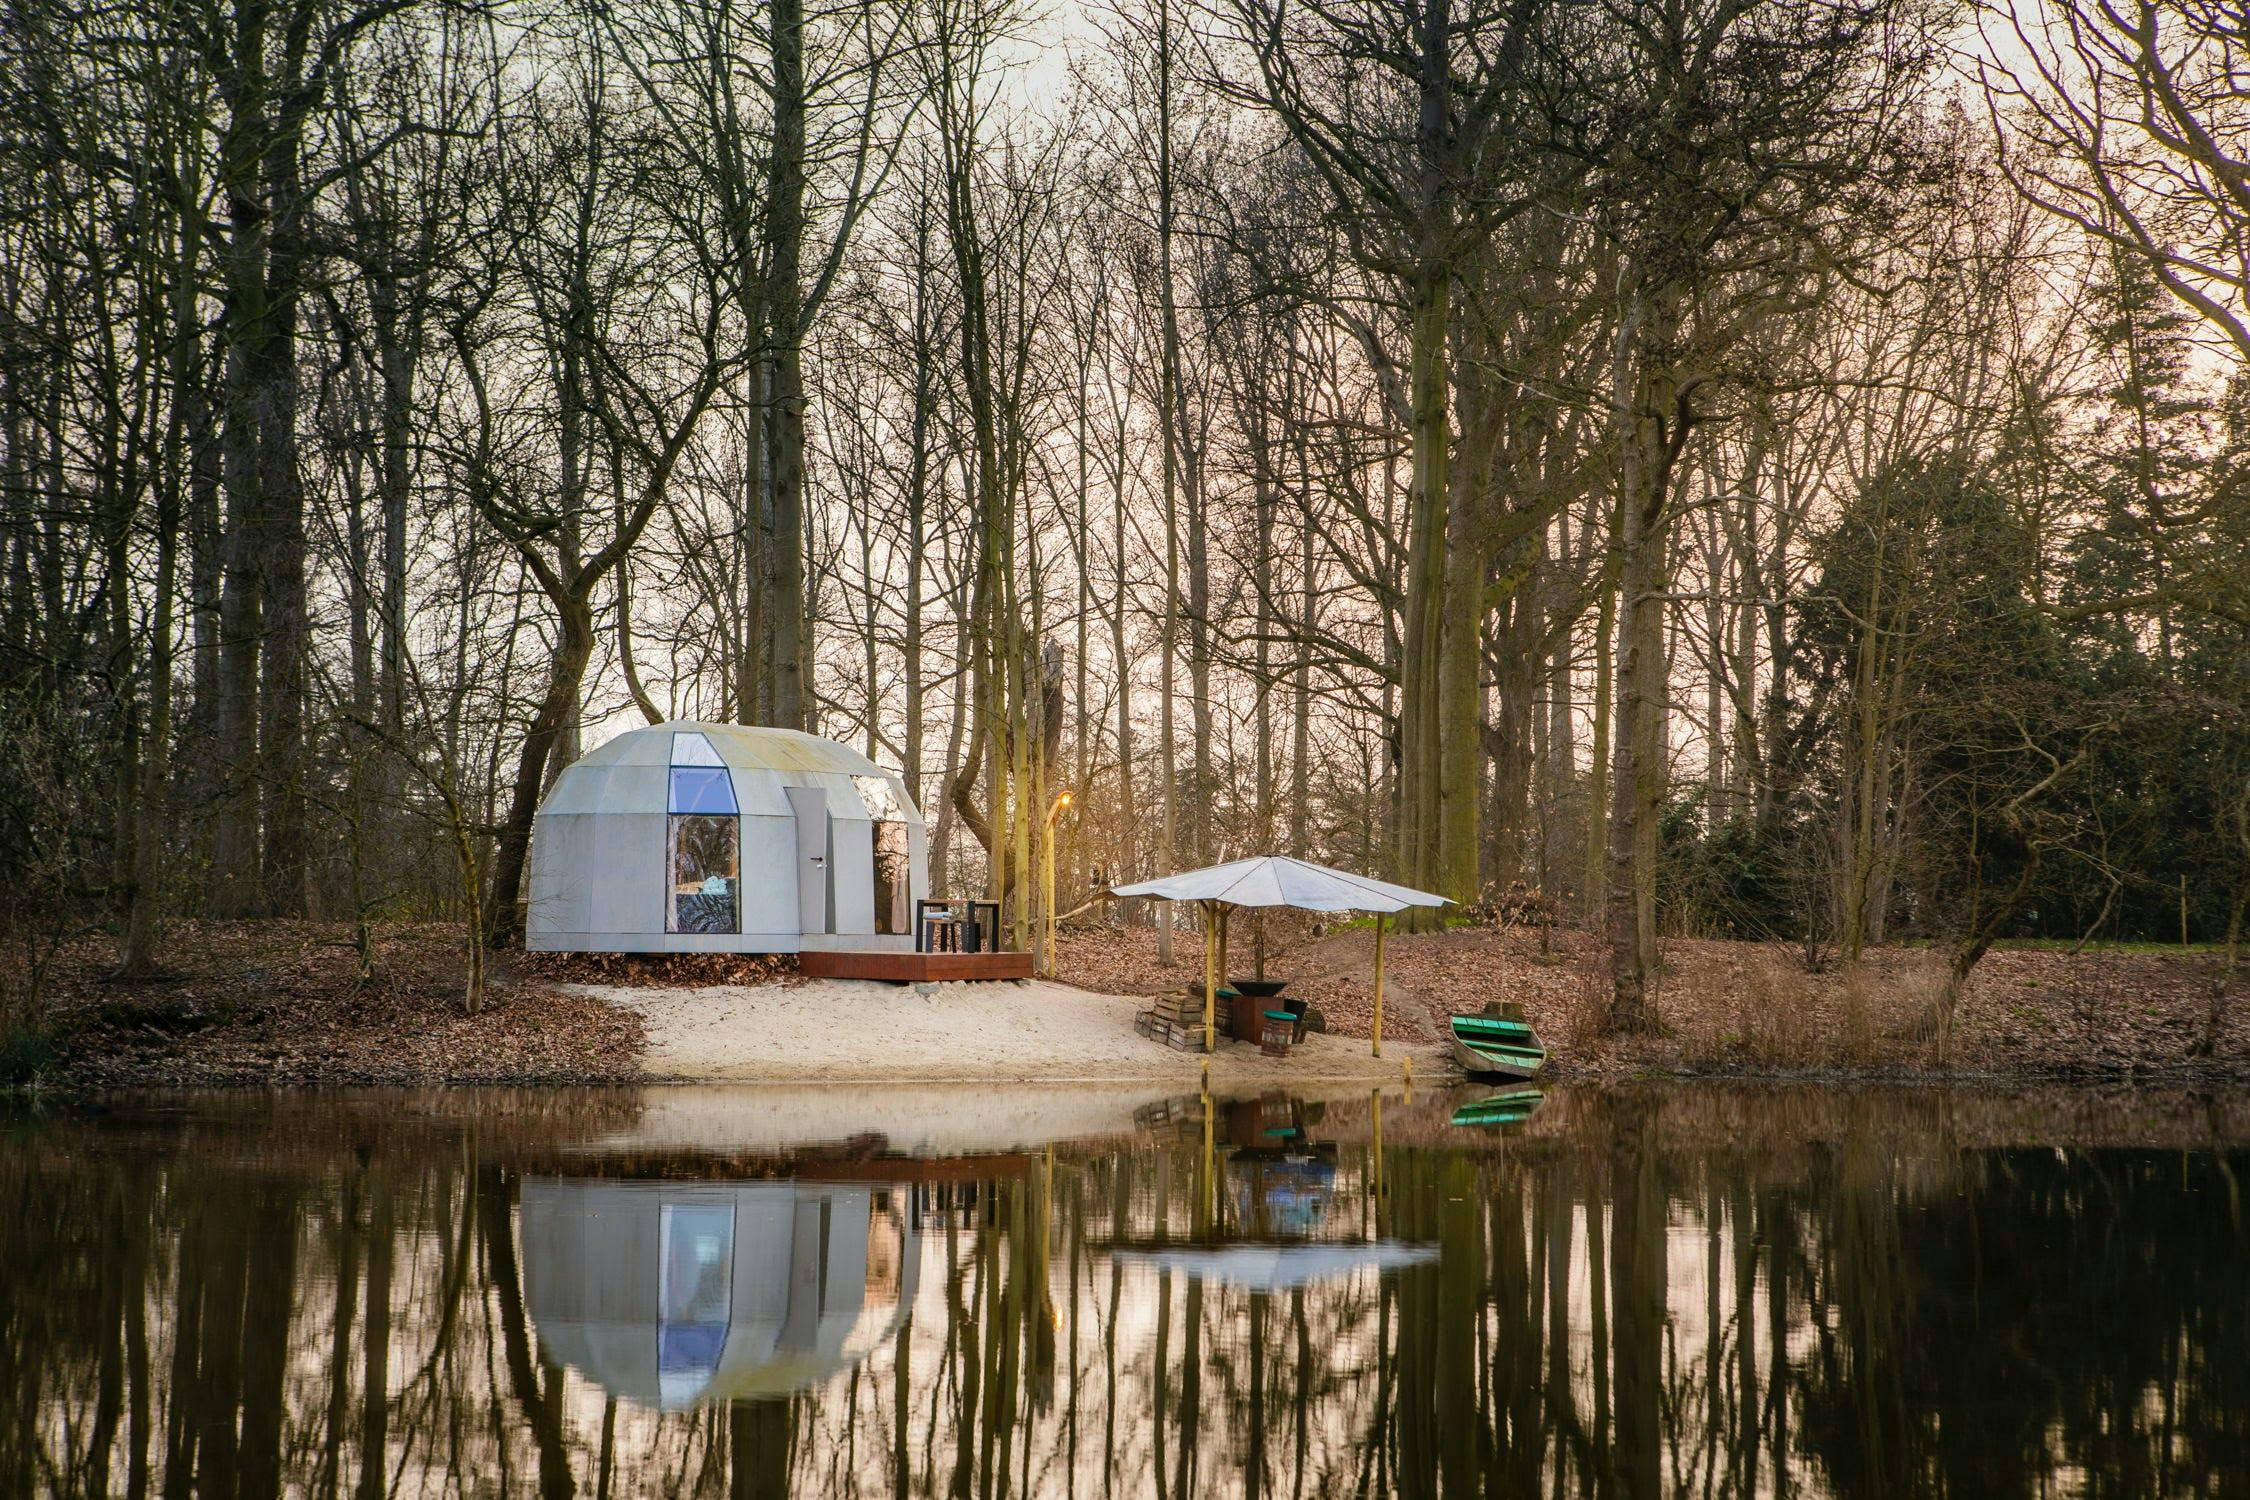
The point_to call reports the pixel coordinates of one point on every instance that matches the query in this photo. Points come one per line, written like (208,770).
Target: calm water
(1690,1291)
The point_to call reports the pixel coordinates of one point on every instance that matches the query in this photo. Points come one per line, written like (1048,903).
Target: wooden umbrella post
(1378,984)
(1210,978)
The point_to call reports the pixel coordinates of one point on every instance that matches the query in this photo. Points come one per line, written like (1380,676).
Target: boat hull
(1486,1047)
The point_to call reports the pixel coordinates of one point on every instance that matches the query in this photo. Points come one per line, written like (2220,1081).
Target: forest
(1761,469)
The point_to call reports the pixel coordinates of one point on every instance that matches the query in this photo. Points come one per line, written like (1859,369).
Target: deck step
(842,963)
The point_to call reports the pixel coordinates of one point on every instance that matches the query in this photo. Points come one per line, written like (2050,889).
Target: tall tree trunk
(1650,443)
(1594,880)
(753,692)
(1308,623)
(1422,650)
(784,307)
(1168,418)
(1261,685)
(1558,755)
(574,647)
(1517,663)
(1129,845)
(206,548)
(235,884)
(144,914)
(1203,791)
(1442,645)
(286,648)
(1460,708)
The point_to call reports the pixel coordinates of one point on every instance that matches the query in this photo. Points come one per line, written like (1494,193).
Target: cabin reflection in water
(676,1295)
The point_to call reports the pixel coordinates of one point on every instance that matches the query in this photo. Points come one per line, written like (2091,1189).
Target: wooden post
(1379,984)
(2183,912)
(1047,891)
(1210,978)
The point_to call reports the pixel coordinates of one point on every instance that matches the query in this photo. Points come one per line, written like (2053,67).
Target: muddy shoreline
(262,1005)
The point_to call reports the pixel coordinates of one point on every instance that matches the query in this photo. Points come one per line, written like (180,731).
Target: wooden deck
(910,967)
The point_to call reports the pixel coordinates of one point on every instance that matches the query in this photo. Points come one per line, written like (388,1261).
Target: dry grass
(1775,1016)
(1748,1008)
(281,1002)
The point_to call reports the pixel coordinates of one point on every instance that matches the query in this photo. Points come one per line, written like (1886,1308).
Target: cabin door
(816,873)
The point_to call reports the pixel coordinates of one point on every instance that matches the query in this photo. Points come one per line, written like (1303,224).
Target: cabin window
(892,886)
(695,790)
(881,796)
(706,873)
(706,849)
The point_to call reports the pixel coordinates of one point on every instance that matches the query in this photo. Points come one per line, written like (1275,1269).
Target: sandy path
(841,1031)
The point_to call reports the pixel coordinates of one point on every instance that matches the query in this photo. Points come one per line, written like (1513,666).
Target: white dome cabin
(717,838)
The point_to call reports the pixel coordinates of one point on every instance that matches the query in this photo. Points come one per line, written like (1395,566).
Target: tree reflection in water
(1688,1292)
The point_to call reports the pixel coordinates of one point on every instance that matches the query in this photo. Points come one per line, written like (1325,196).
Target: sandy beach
(1036,1032)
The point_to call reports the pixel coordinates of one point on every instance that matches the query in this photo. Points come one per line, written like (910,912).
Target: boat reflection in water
(675,1295)
(1498,1110)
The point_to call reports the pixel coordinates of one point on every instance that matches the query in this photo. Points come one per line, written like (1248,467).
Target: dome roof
(632,773)
(742,746)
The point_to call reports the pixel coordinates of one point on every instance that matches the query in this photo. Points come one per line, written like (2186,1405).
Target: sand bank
(916,1119)
(1034,1032)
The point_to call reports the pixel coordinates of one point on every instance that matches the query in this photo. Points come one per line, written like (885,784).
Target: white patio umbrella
(1278,880)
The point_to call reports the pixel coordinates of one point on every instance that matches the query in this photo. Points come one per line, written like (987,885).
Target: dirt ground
(280,1003)
(1730,1007)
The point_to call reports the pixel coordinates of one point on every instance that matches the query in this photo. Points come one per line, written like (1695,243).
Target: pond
(1682,1290)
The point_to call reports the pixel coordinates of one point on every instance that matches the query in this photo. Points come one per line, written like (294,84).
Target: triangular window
(690,748)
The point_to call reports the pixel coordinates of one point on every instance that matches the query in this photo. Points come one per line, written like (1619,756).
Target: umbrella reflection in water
(1278,1233)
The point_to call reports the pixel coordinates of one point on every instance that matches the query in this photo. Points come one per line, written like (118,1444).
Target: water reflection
(675,1295)
(1277,1224)
(1704,1292)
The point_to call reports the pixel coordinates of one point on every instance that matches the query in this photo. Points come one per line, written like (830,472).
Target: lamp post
(1047,873)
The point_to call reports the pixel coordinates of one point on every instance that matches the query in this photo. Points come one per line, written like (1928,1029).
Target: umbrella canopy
(1277,880)
(1279,1268)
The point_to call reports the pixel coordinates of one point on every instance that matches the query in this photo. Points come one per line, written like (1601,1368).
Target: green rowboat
(1497,1044)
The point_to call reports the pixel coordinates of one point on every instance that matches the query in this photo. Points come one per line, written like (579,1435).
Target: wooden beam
(1378,1027)
(1210,978)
